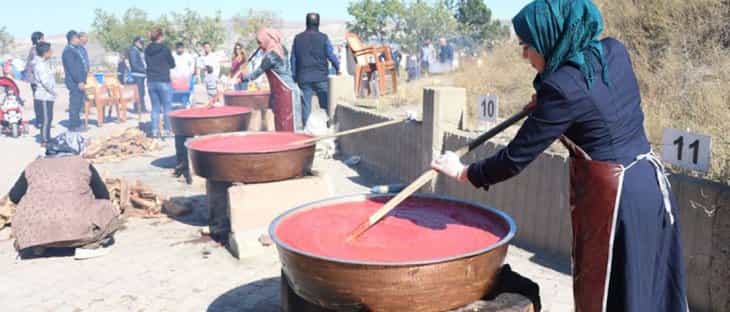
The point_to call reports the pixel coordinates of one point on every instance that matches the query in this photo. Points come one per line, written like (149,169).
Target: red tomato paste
(419,229)
(204,112)
(243,92)
(249,143)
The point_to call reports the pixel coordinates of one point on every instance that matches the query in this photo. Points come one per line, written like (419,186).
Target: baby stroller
(11,113)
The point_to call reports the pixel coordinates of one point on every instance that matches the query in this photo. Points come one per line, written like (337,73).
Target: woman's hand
(532,103)
(450,164)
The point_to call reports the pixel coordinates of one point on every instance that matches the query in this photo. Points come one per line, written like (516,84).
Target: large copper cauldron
(253,167)
(192,122)
(437,285)
(252,99)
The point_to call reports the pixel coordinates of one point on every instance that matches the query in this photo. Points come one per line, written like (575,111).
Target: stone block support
(442,110)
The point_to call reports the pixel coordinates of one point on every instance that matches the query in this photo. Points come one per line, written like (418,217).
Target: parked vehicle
(11,111)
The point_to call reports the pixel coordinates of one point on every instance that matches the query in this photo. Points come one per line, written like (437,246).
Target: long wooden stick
(352,131)
(431,174)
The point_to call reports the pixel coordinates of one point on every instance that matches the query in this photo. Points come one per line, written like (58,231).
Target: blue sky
(21,17)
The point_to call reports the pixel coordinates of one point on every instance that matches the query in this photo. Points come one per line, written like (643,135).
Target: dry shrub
(680,51)
(502,72)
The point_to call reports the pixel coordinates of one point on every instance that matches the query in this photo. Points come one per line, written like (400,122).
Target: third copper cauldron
(252,99)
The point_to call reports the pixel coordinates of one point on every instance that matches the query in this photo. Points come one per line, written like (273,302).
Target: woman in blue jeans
(159,62)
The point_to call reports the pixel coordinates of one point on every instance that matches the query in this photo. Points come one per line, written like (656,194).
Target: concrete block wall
(395,152)
(704,216)
(538,199)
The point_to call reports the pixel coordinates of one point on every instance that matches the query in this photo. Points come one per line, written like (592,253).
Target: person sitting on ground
(63,202)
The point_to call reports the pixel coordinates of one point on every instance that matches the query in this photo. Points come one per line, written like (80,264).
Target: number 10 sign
(488,107)
(687,150)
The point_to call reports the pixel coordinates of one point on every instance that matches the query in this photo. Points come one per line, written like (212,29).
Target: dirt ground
(162,264)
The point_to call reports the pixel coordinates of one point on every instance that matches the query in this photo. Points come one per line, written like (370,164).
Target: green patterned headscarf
(563,32)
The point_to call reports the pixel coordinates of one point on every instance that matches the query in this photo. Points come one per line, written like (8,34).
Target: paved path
(164,265)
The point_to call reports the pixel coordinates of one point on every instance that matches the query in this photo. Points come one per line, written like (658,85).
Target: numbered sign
(488,107)
(687,150)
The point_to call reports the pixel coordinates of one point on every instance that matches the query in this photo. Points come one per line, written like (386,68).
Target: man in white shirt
(184,62)
(209,59)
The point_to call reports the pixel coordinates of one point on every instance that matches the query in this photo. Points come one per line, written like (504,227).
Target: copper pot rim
(242,133)
(243,92)
(502,242)
(211,117)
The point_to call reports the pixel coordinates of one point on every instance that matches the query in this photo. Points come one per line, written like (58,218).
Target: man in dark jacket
(83,41)
(310,53)
(138,68)
(75,72)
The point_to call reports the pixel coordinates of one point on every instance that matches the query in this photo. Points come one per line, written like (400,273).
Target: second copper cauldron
(252,99)
(433,285)
(251,157)
(204,121)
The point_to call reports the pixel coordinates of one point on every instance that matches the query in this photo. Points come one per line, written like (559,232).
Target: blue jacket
(310,52)
(73,66)
(85,57)
(447,54)
(607,122)
(137,63)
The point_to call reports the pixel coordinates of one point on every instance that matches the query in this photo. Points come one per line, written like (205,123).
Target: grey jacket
(46,80)
(29,75)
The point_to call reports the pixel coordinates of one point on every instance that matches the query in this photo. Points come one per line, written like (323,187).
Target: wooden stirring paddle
(431,174)
(353,131)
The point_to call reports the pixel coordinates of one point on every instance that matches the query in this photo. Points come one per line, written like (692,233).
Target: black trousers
(181,152)
(36,108)
(75,106)
(44,113)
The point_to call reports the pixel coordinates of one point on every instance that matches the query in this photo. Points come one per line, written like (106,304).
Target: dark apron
(595,189)
(282,99)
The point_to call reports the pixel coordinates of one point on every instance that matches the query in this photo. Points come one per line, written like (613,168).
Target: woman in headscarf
(285,98)
(626,249)
(63,202)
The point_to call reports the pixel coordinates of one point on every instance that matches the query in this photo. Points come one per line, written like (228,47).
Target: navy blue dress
(607,122)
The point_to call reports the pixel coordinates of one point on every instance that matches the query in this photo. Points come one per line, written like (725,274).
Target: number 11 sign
(687,150)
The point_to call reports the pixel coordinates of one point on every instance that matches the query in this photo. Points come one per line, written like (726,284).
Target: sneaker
(83,253)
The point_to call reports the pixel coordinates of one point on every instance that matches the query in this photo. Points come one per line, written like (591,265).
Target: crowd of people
(159,72)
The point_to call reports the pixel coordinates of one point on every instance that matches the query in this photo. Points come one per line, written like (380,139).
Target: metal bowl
(205,125)
(252,99)
(434,285)
(255,167)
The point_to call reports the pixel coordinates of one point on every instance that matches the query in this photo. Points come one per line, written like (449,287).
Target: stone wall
(538,198)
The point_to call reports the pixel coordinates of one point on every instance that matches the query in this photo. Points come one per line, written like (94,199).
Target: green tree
(7,42)
(381,20)
(116,33)
(190,28)
(423,21)
(475,20)
(247,25)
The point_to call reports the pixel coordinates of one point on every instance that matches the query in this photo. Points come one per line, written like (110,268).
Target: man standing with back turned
(310,53)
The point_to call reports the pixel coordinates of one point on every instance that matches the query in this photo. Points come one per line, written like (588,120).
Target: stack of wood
(130,142)
(138,200)
(7,210)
